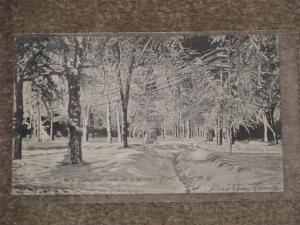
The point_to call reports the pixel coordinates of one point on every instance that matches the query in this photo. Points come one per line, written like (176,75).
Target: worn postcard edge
(290,129)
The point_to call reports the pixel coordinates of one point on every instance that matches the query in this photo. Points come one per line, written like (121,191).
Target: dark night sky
(200,44)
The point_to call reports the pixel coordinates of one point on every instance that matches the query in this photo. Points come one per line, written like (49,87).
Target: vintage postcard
(147,113)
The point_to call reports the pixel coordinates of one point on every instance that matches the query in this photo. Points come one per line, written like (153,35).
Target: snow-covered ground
(168,166)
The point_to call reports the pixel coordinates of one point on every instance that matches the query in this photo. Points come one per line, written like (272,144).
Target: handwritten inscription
(245,188)
(205,180)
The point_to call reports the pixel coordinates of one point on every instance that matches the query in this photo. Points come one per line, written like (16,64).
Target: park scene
(146,113)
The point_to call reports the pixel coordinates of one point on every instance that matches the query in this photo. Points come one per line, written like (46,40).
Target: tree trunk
(231,138)
(87,122)
(217,131)
(178,124)
(184,128)
(178,112)
(108,125)
(265,123)
(19,119)
(87,134)
(85,125)
(124,89)
(189,133)
(125,126)
(274,134)
(266,127)
(210,135)
(118,124)
(34,127)
(51,126)
(163,133)
(131,133)
(232,135)
(221,135)
(31,125)
(74,111)
(39,131)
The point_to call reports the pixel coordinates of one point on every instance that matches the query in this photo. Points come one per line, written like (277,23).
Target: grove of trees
(147,86)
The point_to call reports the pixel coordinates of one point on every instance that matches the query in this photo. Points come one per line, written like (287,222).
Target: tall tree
(33,65)
(119,132)
(75,51)
(129,52)
(108,123)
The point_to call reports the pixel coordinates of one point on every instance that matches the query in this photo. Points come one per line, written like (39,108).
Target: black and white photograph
(146,113)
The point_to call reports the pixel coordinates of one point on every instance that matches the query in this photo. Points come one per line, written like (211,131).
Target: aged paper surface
(33,16)
(147,113)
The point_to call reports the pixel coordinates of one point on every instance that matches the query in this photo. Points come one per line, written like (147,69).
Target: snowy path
(169,167)
(202,169)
